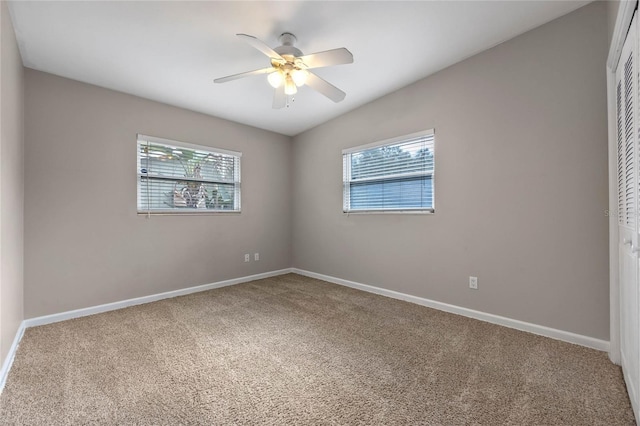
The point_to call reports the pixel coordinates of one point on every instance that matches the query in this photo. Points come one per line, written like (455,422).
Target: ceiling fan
(290,69)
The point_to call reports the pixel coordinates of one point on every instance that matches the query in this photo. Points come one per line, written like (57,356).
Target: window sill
(188,213)
(419,212)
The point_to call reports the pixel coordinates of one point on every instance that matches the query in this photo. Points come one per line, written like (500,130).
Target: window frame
(347,180)
(141,139)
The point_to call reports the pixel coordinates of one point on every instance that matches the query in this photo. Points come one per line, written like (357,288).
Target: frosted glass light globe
(290,87)
(275,79)
(299,77)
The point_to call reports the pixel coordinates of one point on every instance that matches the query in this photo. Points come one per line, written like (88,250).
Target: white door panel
(627,130)
(629,345)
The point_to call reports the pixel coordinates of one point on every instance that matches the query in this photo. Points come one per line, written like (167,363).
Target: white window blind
(394,175)
(176,177)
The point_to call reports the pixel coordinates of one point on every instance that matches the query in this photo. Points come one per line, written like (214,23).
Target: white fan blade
(244,74)
(327,58)
(327,89)
(279,98)
(260,46)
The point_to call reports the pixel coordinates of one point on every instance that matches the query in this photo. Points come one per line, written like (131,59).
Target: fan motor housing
(287,48)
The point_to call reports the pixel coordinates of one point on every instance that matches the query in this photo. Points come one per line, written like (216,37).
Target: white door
(628,225)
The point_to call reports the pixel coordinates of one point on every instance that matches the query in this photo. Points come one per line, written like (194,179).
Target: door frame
(623,21)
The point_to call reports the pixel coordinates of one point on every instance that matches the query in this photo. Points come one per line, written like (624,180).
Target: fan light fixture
(297,77)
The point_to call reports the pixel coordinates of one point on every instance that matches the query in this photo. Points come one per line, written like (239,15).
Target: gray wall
(84,243)
(520,183)
(521,189)
(11,184)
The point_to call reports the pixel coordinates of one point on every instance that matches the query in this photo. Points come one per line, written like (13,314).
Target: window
(175,177)
(394,175)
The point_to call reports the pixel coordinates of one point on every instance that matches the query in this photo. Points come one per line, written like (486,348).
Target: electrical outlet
(246,258)
(473,283)
(256,256)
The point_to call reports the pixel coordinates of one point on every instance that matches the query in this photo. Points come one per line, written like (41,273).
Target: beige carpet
(294,350)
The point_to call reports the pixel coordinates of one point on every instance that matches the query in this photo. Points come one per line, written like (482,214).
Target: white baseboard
(566,336)
(62,316)
(8,361)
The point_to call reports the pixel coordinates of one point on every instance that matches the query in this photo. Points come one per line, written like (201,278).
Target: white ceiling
(171,51)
